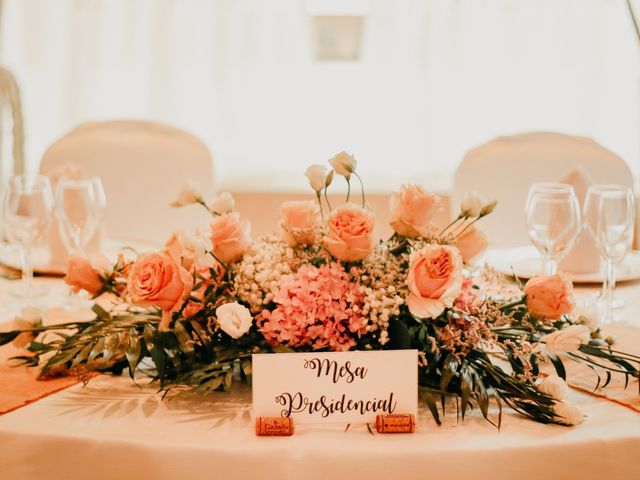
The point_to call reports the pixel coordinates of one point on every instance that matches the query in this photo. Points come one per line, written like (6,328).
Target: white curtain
(435,78)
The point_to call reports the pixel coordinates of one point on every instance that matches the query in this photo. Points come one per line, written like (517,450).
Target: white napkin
(584,256)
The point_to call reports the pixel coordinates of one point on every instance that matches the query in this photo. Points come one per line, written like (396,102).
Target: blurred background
(408,86)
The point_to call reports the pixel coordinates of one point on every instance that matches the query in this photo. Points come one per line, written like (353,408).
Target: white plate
(43,266)
(525,262)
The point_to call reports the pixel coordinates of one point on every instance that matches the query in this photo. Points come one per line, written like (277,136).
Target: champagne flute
(26,213)
(80,207)
(609,213)
(552,215)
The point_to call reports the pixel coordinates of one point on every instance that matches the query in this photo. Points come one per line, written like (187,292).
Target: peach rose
(299,221)
(230,237)
(472,243)
(412,210)
(349,238)
(549,297)
(81,275)
(155,279)
(434,280)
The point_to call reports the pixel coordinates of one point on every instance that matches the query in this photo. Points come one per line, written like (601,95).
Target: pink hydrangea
(318,307)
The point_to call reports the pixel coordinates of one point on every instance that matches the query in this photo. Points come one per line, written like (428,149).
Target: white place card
(330,387)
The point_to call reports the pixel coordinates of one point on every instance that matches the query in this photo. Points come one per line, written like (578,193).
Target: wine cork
(278,426)
(396,423)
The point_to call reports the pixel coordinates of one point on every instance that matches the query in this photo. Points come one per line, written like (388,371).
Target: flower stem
(456,235)
(361,187)
(515,303)
(202,202)
(327,198)
(450,225)
(320,203)
(348,187)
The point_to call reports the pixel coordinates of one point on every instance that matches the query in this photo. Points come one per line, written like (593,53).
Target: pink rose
(412,210)
(349,238)
(472,243)
(434,280)
(155,279)
(549,297)
(299,221)
(230,237)
(81,275)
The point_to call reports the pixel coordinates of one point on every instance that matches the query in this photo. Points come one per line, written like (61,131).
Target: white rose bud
(223,203)
(197,247)
(554,386)
(343,163)
(472,204)
(567,413)
(317,175)
(29,318)
(568,339)
(189,194)
(234,319)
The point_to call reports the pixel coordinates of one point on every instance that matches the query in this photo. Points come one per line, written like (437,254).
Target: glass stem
(610,285)
(550,265)
(27,271)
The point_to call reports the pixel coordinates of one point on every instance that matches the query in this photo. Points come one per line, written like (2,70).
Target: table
(114,429)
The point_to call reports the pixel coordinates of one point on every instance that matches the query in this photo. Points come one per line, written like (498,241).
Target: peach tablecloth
(114,429)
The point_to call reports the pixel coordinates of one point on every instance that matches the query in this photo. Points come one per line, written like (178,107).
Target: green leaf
(247,368)
(450,367)
(557,364)
(282,349)
(228,381)
(159,358)
(100,312)
(433,407)
(184,340)
(97,349)
(111,346)
(466,386)
(6,337)
(399,336)
(82,356)
(132,350)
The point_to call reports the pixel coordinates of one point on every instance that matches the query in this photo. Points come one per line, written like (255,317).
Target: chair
(10,95)
(143,165)
(505,167)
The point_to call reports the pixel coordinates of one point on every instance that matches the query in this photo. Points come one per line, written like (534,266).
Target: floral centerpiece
(199,308)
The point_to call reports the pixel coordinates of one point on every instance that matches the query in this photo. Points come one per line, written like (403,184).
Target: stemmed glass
(552,214)
(26,213)
(609,216)
(80,207)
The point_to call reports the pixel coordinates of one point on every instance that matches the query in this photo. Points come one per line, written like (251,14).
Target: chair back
(10,98)
(505,168)
(143,165)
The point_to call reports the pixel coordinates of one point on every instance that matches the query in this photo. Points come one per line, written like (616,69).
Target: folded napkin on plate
(57,251)
(584,256)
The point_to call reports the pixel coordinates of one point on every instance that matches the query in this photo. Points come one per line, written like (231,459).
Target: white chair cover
(505,167)
(143,165)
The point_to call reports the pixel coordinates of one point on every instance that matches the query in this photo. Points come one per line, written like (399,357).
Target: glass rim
(606,188)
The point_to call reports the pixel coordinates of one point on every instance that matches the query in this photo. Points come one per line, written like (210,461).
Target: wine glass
(80,207)
(552,214)
(26,213)
(609,216)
